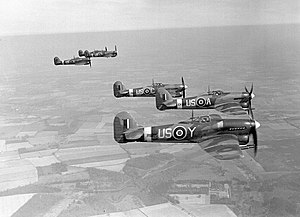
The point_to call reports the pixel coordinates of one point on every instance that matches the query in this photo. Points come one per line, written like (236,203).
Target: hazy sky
(51,16)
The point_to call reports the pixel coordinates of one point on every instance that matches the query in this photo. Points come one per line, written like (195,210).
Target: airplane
(99,53)
(235,103)
(222,137)
(176,90)
(95,53)
(73,61)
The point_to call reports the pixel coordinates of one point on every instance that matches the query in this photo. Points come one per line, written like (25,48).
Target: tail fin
(118,88)
(105,48)
(57,61)
(161,97)
(80,53)
(116,48)
(122,123)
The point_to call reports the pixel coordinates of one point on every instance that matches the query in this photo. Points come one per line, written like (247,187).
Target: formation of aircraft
(235,103)
(175,90)
(73,61)
(85,57)
(222,137)
(99,53)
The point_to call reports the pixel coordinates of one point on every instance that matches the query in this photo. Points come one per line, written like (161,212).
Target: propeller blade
(250,110)
(183,84)
(254,136)
(251,90)
(90,62)
(254,141)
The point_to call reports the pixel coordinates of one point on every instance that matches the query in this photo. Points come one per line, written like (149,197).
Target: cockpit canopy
(208,118)
(204,119)
(158,84)
(216,92)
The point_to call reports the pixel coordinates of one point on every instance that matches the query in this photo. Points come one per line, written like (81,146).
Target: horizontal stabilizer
(134,134)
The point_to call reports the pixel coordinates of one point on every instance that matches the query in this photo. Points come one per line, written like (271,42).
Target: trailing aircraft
(176,90)
(99,53)
(222,137)
(73,61)
(228,102)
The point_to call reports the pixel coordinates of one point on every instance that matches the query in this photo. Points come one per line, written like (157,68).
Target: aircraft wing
(222,147)
(232,108)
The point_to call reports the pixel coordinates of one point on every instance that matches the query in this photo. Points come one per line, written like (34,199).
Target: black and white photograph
(150,108)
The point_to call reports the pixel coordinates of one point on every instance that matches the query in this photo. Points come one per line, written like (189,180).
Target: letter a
(208,102)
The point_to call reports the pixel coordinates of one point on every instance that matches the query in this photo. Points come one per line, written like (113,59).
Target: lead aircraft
(99,53)
(222,137)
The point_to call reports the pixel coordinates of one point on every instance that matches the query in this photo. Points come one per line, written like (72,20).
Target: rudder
(118,88)
(80,53)
(162,96)
(57,61)
(123,122)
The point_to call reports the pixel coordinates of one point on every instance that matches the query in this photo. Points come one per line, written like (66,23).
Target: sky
(60,16)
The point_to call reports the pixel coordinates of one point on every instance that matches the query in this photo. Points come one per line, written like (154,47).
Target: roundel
(179,133)
(146,91)
(201,101)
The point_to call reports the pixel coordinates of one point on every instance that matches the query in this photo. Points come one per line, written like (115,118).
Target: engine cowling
(243,139)
(245,104)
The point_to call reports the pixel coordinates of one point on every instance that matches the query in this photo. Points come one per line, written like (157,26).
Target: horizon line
(143,29)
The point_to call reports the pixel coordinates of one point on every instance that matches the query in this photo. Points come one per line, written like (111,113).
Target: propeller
(208,89)
(255,124)
(90,62)
(183,87)
(251,96)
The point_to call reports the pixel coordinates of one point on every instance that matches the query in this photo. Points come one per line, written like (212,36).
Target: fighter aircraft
(73,61)
(99,53)
(228,102)
(221,137)
(176,90)
(95,53)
